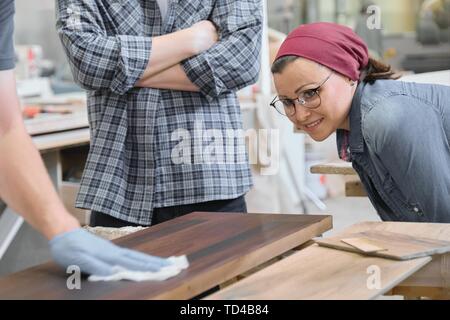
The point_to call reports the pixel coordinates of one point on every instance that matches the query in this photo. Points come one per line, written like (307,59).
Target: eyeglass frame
(293,101)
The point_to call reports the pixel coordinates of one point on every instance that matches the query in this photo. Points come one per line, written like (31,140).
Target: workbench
(219,247)
(324,273)
(257,257)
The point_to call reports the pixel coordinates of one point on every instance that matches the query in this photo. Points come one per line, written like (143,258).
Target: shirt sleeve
(7,54)
(233,63)
(409,139)
(99,61)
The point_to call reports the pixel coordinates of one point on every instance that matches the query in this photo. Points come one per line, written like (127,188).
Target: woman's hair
(375,70)
(281,63)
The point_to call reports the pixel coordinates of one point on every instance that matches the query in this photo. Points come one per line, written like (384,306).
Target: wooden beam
(62,140)
(355,188)
(342,168)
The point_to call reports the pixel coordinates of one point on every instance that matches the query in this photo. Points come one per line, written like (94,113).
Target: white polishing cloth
(178,264)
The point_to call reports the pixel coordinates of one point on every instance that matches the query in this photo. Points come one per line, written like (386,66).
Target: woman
(396,134)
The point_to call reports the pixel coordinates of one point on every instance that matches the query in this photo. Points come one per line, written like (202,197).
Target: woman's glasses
(309,99)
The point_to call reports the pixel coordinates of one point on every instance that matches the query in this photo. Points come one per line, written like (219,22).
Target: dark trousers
(237,205)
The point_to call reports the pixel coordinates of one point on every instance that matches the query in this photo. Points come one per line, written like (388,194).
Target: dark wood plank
(219,247)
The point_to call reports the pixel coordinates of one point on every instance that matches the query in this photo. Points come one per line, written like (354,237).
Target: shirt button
(417,210)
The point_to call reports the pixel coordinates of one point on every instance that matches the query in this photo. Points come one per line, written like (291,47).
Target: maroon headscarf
(329,44)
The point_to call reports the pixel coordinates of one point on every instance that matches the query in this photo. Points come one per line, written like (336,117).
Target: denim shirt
(399,144)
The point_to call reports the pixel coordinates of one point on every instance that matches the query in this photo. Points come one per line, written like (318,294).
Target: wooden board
(355,188)
(323,274)
(219,246)
(362,244)
(436,231)
(55,122)
(343,168)
(436,274)
(391,245)
(61,140)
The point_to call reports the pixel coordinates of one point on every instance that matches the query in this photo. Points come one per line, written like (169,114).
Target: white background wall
(35,24)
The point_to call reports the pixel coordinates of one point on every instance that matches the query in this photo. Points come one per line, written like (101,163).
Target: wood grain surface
(219,246)
(343,168)
(390,245)
(324,273)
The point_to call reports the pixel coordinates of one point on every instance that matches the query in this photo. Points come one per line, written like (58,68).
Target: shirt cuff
(7,63)
(134,55)
(199,71)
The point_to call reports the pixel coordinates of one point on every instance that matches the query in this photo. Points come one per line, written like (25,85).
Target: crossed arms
(192,59)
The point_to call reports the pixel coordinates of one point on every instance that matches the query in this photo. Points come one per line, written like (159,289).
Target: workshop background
(415,39)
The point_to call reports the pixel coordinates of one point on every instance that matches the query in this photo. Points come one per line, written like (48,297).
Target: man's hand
(204,35)
(96,256)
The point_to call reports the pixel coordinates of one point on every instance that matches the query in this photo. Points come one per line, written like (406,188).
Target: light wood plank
(437,231)
(322,273)
(437,272)
(390,245)
(342,168)
(62,140)
(362,244)
(55,123)
(355,188)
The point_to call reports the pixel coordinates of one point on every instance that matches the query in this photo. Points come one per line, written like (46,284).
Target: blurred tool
(32,111)
(434,22)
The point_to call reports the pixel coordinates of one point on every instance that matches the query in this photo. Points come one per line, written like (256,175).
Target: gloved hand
(96,256)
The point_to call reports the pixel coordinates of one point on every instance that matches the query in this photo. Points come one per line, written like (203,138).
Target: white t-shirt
(163,7)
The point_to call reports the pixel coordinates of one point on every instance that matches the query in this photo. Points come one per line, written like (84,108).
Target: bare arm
(102,61)
(164,70)
(24,183)
(26,187)
(169,50)
(173,78)
(228,65)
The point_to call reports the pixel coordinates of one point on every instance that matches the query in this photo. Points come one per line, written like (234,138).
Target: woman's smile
(312,126)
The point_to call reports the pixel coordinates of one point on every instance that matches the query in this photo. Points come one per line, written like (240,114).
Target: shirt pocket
(190,12)
(412,208)
(126,17)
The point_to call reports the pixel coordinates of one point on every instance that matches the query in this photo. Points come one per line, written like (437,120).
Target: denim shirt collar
(349,142)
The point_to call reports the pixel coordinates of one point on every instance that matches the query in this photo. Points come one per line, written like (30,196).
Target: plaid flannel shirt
(129,170)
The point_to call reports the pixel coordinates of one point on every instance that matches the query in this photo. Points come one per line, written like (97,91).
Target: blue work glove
(96,256)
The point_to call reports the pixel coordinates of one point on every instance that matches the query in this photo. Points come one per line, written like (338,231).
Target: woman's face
(336,96)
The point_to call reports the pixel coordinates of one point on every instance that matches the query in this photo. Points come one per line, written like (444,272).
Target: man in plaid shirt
(154,71)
